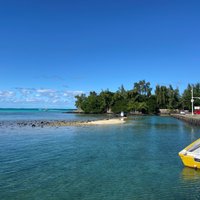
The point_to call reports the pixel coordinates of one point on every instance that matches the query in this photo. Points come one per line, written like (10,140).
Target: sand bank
(106,121)
(59,123)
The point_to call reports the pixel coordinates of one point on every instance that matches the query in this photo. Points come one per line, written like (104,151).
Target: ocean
(10,114)
(135,160)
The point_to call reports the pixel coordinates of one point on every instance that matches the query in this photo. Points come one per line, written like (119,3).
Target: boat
(190,155)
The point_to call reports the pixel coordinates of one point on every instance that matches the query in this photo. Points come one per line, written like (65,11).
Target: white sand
(107,121)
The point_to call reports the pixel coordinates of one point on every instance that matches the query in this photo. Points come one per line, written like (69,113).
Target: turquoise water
(11,114)
(137,160)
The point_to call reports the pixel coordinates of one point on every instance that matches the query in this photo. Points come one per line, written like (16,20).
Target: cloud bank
(42,97)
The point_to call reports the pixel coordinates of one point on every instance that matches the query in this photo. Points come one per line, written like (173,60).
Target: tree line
(139,99)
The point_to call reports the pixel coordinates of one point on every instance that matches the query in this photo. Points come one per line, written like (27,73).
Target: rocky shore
(58,123)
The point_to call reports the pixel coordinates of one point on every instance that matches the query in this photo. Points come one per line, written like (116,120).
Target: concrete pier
(189,118)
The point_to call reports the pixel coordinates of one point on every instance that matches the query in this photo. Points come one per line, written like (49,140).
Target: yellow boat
(190,156)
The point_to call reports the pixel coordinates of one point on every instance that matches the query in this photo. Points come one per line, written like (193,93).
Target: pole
(192,101)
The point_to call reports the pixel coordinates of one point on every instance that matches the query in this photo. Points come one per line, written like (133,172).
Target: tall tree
(142,87)
(173,98)
(107,98)
(186,98)
(161,93)
(152,105)
(79,101)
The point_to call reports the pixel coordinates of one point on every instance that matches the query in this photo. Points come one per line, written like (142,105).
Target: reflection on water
(190,174)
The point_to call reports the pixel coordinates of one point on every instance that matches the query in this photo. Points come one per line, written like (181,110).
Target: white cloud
(7,94)
(73,93)
(45,91)
(25,92)
(32,100)
(38,97)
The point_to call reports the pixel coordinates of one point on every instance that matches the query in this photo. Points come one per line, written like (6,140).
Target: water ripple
(135,161)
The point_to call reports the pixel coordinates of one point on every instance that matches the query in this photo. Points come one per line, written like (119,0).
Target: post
(192,101)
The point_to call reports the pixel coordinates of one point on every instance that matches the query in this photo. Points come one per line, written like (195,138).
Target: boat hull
(188,158)
(189,161)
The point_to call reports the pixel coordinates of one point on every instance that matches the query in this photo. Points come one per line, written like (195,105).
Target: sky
(52,50)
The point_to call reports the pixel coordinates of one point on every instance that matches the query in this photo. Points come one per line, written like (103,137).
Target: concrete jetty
(189,118)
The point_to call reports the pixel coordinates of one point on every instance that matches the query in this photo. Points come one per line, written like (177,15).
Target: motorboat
(190,155)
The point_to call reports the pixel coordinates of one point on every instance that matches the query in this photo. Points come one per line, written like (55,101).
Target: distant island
(139,100)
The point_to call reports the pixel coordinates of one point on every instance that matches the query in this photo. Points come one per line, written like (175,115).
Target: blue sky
(51,50)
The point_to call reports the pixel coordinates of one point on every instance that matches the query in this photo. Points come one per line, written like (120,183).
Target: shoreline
(107,121)
(60,123)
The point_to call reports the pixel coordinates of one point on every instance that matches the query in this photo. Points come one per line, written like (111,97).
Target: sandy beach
(106,121)
(88,123)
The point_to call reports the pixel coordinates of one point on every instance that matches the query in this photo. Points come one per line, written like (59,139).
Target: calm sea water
(42,114)
(136,160)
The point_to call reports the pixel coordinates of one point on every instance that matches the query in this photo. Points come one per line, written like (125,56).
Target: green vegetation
(138,100)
